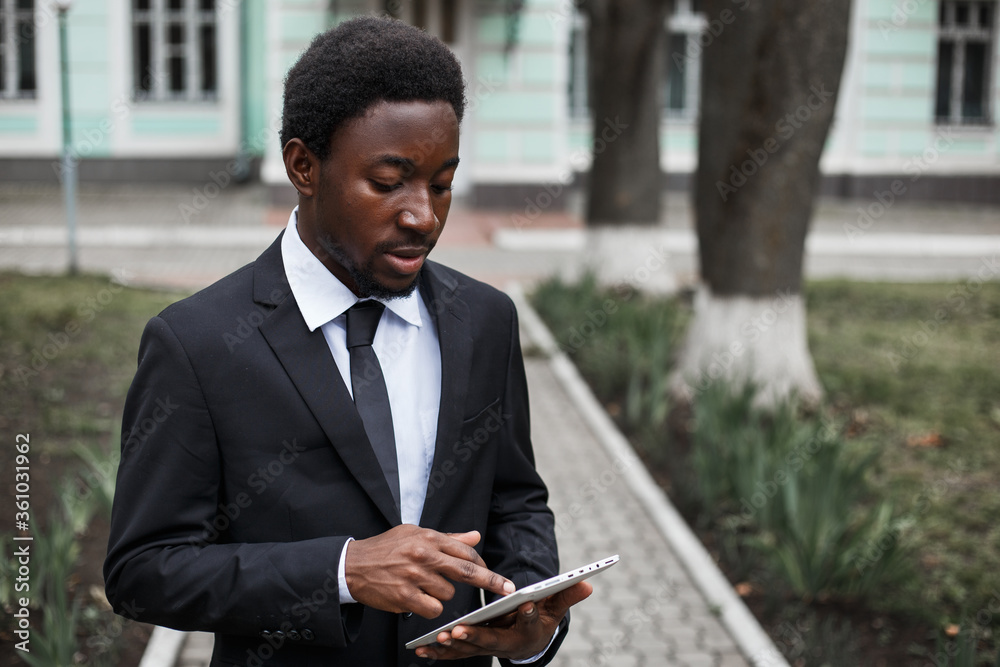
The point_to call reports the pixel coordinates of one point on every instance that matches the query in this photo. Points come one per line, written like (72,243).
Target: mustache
(389,246)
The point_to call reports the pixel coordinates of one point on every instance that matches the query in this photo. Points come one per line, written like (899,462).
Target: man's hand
(518,636)
(407,568)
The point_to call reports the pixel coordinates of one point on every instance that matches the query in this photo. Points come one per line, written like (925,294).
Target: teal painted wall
(254,25)
(518,117)
(898,85)
(176,124)
(89,84)
(22,124)
(492,146)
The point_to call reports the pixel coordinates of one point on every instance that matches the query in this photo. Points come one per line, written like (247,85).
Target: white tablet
(509,603)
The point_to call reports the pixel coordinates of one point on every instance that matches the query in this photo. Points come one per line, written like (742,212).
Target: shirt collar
(320,294)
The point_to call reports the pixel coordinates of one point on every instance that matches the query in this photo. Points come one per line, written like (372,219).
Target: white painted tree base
(632,255)
(737,338)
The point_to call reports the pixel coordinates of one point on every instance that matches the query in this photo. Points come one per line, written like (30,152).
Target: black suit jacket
(245,467)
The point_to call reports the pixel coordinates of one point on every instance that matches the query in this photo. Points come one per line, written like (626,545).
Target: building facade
(190,90)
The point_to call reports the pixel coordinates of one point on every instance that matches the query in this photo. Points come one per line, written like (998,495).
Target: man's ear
(302,167)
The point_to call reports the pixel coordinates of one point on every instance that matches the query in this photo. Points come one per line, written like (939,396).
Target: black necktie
(368,384)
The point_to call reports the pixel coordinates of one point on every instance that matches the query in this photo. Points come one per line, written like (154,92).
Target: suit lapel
(306,358)
(451,315)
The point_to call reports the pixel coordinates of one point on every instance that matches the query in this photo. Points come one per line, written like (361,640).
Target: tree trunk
(625,59)
(770,77)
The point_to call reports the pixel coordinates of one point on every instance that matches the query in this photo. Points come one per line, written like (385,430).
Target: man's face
(382,195)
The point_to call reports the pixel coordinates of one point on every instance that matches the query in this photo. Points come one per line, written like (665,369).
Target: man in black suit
(311,493)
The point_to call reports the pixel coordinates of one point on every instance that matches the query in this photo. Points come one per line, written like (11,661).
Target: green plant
(102,630)
(54,645)
(77,510)
(827,543)
(743,456)
(788,486)
(827,641)
(8,573)
(97,480)
(728,450)
(623,343)
(647,347)
(56,551)
(962,651)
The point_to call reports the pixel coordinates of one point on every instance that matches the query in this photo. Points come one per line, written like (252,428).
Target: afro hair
(357,64)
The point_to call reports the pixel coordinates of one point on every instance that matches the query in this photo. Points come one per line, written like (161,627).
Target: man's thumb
(470,538)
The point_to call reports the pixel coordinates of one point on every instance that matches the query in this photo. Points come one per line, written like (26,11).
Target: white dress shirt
(407,347)
(408,350)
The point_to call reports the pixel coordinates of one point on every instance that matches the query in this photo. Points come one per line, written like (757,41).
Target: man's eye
(441,189)
(384,187)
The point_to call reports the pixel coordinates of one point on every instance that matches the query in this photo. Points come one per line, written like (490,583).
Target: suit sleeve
(520,541)
(162,567)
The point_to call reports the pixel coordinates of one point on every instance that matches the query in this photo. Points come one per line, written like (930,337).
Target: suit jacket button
(278,634)
(308,635)
(266,634)
(294,635)
(408,614)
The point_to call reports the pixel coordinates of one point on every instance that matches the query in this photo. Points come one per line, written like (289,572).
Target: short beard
(364,276)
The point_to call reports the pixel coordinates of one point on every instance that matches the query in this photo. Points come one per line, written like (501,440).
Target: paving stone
(684,636)
(572,656)
(715,638)
(695,659)
(652,643)
(620,658)
(733,659)
(196,646)
(604,614)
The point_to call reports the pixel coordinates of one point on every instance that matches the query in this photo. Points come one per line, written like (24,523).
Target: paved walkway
(646,610)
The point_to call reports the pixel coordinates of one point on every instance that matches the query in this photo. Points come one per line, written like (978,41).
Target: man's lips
(407,259)
(409,251)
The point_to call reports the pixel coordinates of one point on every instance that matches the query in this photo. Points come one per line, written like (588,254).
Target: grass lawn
(910,371)
(67,356)
(917,369)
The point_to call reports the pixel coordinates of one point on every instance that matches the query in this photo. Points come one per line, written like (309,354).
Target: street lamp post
(68,162)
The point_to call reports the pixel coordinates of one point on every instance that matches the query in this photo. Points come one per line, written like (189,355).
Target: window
(17,49)
(683,62)
(681,92)
(438,17)
(449,19)
(579,105)
(174,50)
(965,48)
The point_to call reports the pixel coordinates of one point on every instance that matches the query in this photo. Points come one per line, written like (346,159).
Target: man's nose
(418,213)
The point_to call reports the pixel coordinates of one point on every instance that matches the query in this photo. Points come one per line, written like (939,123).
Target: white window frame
(12,18)
(578,90)
(432,15)
(960,37)
(158,17)
(684,21)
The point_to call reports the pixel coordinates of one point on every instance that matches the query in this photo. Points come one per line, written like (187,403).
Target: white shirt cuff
(536,657)
(345,595)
